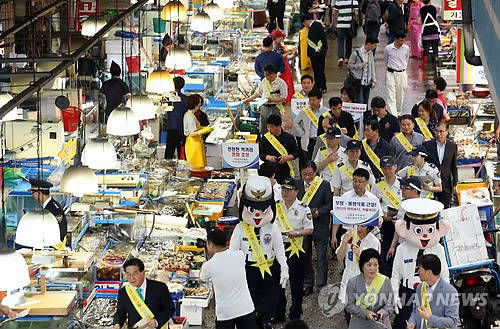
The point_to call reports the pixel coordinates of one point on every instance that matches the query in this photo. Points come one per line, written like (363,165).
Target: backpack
(373,12)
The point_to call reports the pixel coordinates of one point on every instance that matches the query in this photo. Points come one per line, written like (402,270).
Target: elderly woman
(426,121)
(352,244)
(369,294)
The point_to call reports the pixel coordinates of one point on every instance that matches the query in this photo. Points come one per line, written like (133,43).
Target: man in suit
(40,191)
(436,305)
(154,295)
(320,204)
(443,153)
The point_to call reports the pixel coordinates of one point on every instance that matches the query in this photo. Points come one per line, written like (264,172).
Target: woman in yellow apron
(195,148)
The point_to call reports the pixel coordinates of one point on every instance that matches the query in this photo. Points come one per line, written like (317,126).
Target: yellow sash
(323,139)
(412,171)
(424,129)
(311,116)
(280,148)
(61,245)
(295,242)
(262,263)
(347,171)
(355,239)
(371,295)
(331,165)
(298,95)
(371,155)
(388,194)
(425,301)
(356,134)
(269,89)
(404,142)
(311,191)
(138,303)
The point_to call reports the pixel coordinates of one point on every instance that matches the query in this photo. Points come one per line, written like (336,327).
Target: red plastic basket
(132,64)
(71,118)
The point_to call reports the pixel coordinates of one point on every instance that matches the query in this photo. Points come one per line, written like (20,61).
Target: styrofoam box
(193,314)
(127,47)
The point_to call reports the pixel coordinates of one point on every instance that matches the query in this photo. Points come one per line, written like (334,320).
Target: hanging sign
(467,73)
(452,10)
(237,155)
(356,211)
(69,151)
(85,9)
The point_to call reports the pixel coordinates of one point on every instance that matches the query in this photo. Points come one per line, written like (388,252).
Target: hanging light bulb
(79,180)
(122,122)
(13,276)
(178,58)
(92,25)
(225,4)
(160,82)
(201,23)
(38,229)
(142,106)
(99,154)
(214,11)
(174,11)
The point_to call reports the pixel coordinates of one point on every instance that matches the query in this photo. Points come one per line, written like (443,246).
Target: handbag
(351,80)
(353,29)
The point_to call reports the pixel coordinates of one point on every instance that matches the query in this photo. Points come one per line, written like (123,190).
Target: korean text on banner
(298,104)
(355,109)
(452,10)
(238,155)
(356,211)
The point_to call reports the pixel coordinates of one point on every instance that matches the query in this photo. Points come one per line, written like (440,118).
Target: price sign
(237,155)
(356,211)
(298,104)
(452,10)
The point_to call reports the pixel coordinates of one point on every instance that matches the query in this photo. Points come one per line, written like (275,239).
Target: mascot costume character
(421,229)
(261,241)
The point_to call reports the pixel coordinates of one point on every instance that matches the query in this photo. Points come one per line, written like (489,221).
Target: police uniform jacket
(343,182)
(299,217)
(317,36)
(429,174)
(57,210)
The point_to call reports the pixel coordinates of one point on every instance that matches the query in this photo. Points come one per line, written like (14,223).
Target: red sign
(85,9)
(452,10)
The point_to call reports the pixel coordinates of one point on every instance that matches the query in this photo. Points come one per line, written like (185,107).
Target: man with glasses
(141,298)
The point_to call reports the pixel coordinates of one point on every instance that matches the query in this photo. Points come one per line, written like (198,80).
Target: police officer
(40,191)
(299,217)
(428,172)
(331,155)
(388,191)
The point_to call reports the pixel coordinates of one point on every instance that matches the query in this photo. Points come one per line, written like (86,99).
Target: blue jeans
(364,94)
(344,42)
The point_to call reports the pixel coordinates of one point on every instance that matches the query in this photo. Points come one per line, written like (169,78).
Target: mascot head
(257,206)
(421,225)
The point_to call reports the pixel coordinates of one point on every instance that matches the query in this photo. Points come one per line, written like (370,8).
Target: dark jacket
(345,121)
(289,143)
(322,201)
(316,36)
(269,57)
(58,211)
(158,300)
(396,19)
(174,119)
(388,126)
(448,168)
(381,150)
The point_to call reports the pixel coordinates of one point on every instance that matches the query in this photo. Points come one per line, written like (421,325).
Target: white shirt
(278,86)
(46,202)
(270,242)
(368,194)
(326,173)
(343,182)
(277,192)
(396,59)
(440,150)
(351,265)
(226,270)
(299,217)
(429,174)
(143,288)
(364,56)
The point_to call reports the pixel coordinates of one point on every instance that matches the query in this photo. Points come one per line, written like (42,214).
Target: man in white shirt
(396,57)
(268,169)
(275,90)
(226,270)
(328,157)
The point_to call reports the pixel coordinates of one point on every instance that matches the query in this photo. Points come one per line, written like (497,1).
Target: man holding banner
(142,300)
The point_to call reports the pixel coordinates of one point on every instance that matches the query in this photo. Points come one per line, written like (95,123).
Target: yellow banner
(346,171)
(388,194)
(138,303)
(295,242)
(269,89)
(311,116)
(69,151)
(280,148)
(262,263)
(371,155)
(311,191)
(331,165)
(404,142)
(371,295)
(424,129)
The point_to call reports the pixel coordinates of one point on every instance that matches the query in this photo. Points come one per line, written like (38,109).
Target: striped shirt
(345,11)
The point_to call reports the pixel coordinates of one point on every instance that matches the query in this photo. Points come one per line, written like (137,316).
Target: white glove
(397,304)
(283,279)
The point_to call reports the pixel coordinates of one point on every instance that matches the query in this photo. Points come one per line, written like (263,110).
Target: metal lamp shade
(122,122)
(38,229)
(79,180)
(99,154)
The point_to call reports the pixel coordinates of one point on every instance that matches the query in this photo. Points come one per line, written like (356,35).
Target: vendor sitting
(141,299)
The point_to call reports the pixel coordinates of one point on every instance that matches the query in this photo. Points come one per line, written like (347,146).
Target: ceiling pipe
(42,12)
(36,86)
(469,49)
(36,60)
